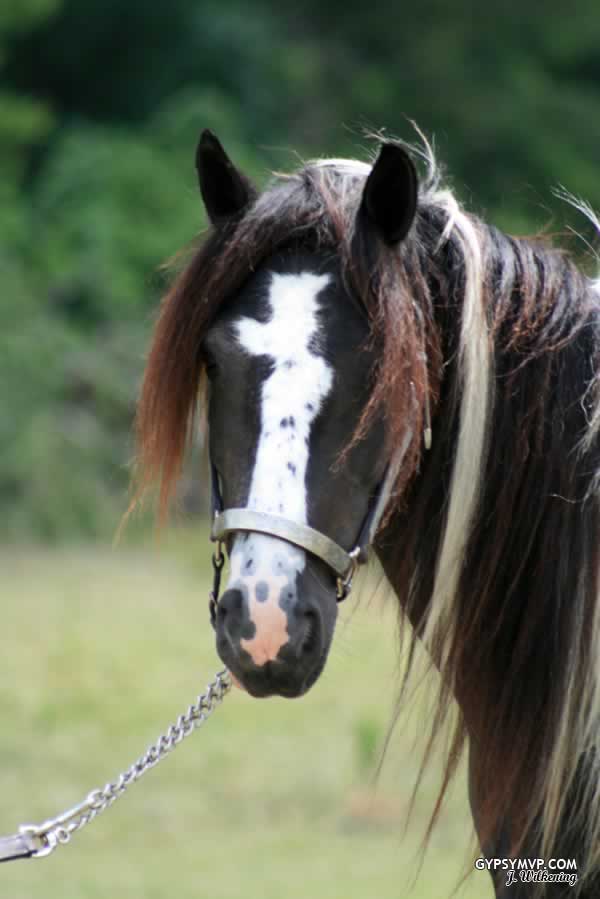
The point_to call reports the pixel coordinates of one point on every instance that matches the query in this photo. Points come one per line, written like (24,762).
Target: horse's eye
(210,365)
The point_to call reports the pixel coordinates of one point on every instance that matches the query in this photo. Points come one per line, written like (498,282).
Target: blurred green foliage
(101,102)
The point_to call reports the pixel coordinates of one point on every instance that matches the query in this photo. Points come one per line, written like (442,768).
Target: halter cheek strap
(342,562)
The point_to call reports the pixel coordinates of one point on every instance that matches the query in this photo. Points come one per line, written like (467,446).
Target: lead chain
(47,836)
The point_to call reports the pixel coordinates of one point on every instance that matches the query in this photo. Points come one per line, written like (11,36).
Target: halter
(342,562)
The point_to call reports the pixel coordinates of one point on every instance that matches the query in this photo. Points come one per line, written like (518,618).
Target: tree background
(101,104)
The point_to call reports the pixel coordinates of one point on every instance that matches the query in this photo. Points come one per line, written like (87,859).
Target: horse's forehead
(287,321)
(290,285)
(299,378)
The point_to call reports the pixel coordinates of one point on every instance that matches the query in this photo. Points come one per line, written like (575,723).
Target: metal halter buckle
(344,585)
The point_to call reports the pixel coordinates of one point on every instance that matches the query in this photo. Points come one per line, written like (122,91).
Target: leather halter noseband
(342,562)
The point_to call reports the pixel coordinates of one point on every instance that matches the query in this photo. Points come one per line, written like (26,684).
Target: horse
(379,368)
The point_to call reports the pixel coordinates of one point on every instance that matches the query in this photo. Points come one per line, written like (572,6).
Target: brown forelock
(394,285)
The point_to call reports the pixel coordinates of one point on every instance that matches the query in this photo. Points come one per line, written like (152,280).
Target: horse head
(290,361)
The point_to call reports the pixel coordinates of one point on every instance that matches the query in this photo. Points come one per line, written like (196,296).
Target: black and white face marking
(263,567)
(277,425)
(292,394)
(290,377)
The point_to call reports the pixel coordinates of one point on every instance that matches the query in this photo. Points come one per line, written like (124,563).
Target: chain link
(56,831)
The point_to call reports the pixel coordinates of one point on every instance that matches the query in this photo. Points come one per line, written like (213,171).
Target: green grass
(102,649)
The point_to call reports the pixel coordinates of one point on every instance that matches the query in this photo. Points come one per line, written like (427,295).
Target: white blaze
(291,395)
(291,398)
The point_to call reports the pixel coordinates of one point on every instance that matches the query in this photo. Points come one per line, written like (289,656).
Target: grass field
(101,649)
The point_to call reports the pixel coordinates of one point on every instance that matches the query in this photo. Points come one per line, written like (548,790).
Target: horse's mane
(500,522)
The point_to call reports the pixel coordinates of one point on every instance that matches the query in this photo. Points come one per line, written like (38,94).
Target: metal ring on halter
(344,584)
(218,558)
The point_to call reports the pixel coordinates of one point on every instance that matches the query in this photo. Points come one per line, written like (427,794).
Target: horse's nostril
(230,613)
(312,629)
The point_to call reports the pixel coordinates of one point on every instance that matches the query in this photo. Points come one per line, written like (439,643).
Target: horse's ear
(226,192)
(389,198)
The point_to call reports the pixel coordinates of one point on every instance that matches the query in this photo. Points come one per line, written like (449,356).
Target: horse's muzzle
(273,647)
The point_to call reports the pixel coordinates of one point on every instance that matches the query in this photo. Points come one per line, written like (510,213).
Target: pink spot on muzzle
(268,618)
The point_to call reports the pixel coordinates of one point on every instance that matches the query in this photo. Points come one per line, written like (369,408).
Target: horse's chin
(262,687)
